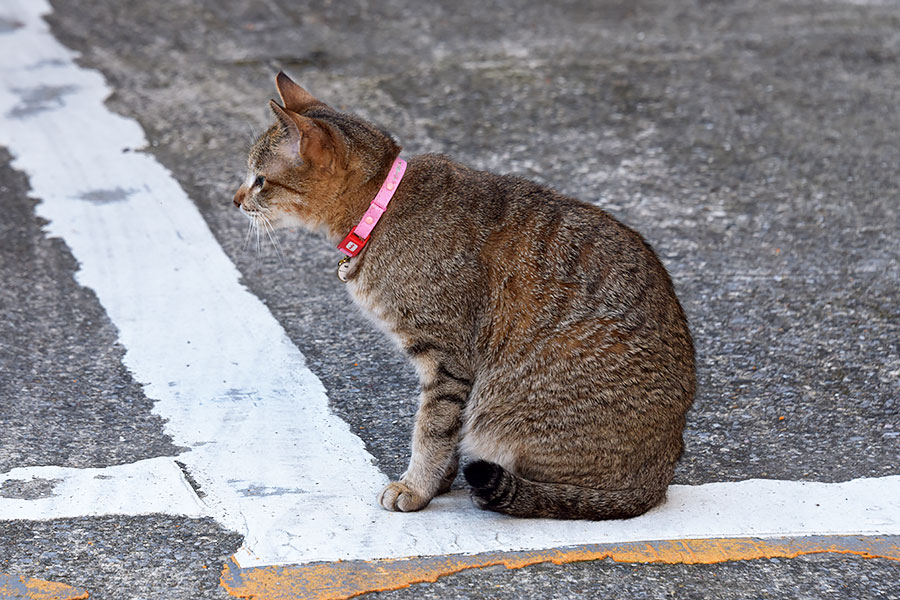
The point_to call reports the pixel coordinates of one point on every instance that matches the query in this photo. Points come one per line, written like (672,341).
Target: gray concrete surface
(754,144)
(804,578)
(119,558)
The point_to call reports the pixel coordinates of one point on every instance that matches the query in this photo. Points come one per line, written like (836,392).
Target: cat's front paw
(397,496)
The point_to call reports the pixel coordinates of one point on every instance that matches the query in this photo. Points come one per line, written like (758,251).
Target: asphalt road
(755,145)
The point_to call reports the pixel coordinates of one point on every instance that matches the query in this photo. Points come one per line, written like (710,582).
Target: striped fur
(552,350)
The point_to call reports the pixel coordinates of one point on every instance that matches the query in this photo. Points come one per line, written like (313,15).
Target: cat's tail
(495,488)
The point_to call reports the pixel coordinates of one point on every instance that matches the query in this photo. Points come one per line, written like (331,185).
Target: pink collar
(356,239)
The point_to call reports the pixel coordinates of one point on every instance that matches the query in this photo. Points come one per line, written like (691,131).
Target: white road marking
(275,464)
(156,485)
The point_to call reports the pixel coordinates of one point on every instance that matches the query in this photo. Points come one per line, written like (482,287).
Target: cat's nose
(239,197)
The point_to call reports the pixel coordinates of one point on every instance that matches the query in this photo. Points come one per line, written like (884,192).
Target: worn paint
(155,485)
(39,98)
(103,196)
(340,580)
(8,25)
(28,489)
(14,587)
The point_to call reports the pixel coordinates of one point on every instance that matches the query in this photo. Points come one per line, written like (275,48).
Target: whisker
(270,232)
(249,233)
(258,245)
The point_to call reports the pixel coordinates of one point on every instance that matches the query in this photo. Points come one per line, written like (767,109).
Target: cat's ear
(309,140)
(292,135)
(293,96)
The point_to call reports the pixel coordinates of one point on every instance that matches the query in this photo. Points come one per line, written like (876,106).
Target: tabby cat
(552,351)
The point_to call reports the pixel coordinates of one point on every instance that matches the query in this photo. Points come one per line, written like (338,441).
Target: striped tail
(495,488)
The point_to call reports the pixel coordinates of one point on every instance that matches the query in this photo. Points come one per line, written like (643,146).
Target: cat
(553,354)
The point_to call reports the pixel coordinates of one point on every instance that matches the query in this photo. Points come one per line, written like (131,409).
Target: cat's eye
(259,182)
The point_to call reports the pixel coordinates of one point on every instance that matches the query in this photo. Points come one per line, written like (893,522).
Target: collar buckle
(352,244)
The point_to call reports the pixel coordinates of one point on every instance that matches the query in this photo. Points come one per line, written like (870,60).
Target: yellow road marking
(345,579)
(16,587)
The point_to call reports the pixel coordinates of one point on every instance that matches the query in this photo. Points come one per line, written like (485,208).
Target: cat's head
(313,165)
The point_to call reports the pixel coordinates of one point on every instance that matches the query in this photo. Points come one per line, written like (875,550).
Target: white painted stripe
(156,485)
(275,463)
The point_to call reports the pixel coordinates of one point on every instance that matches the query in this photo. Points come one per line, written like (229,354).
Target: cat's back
(565,259)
